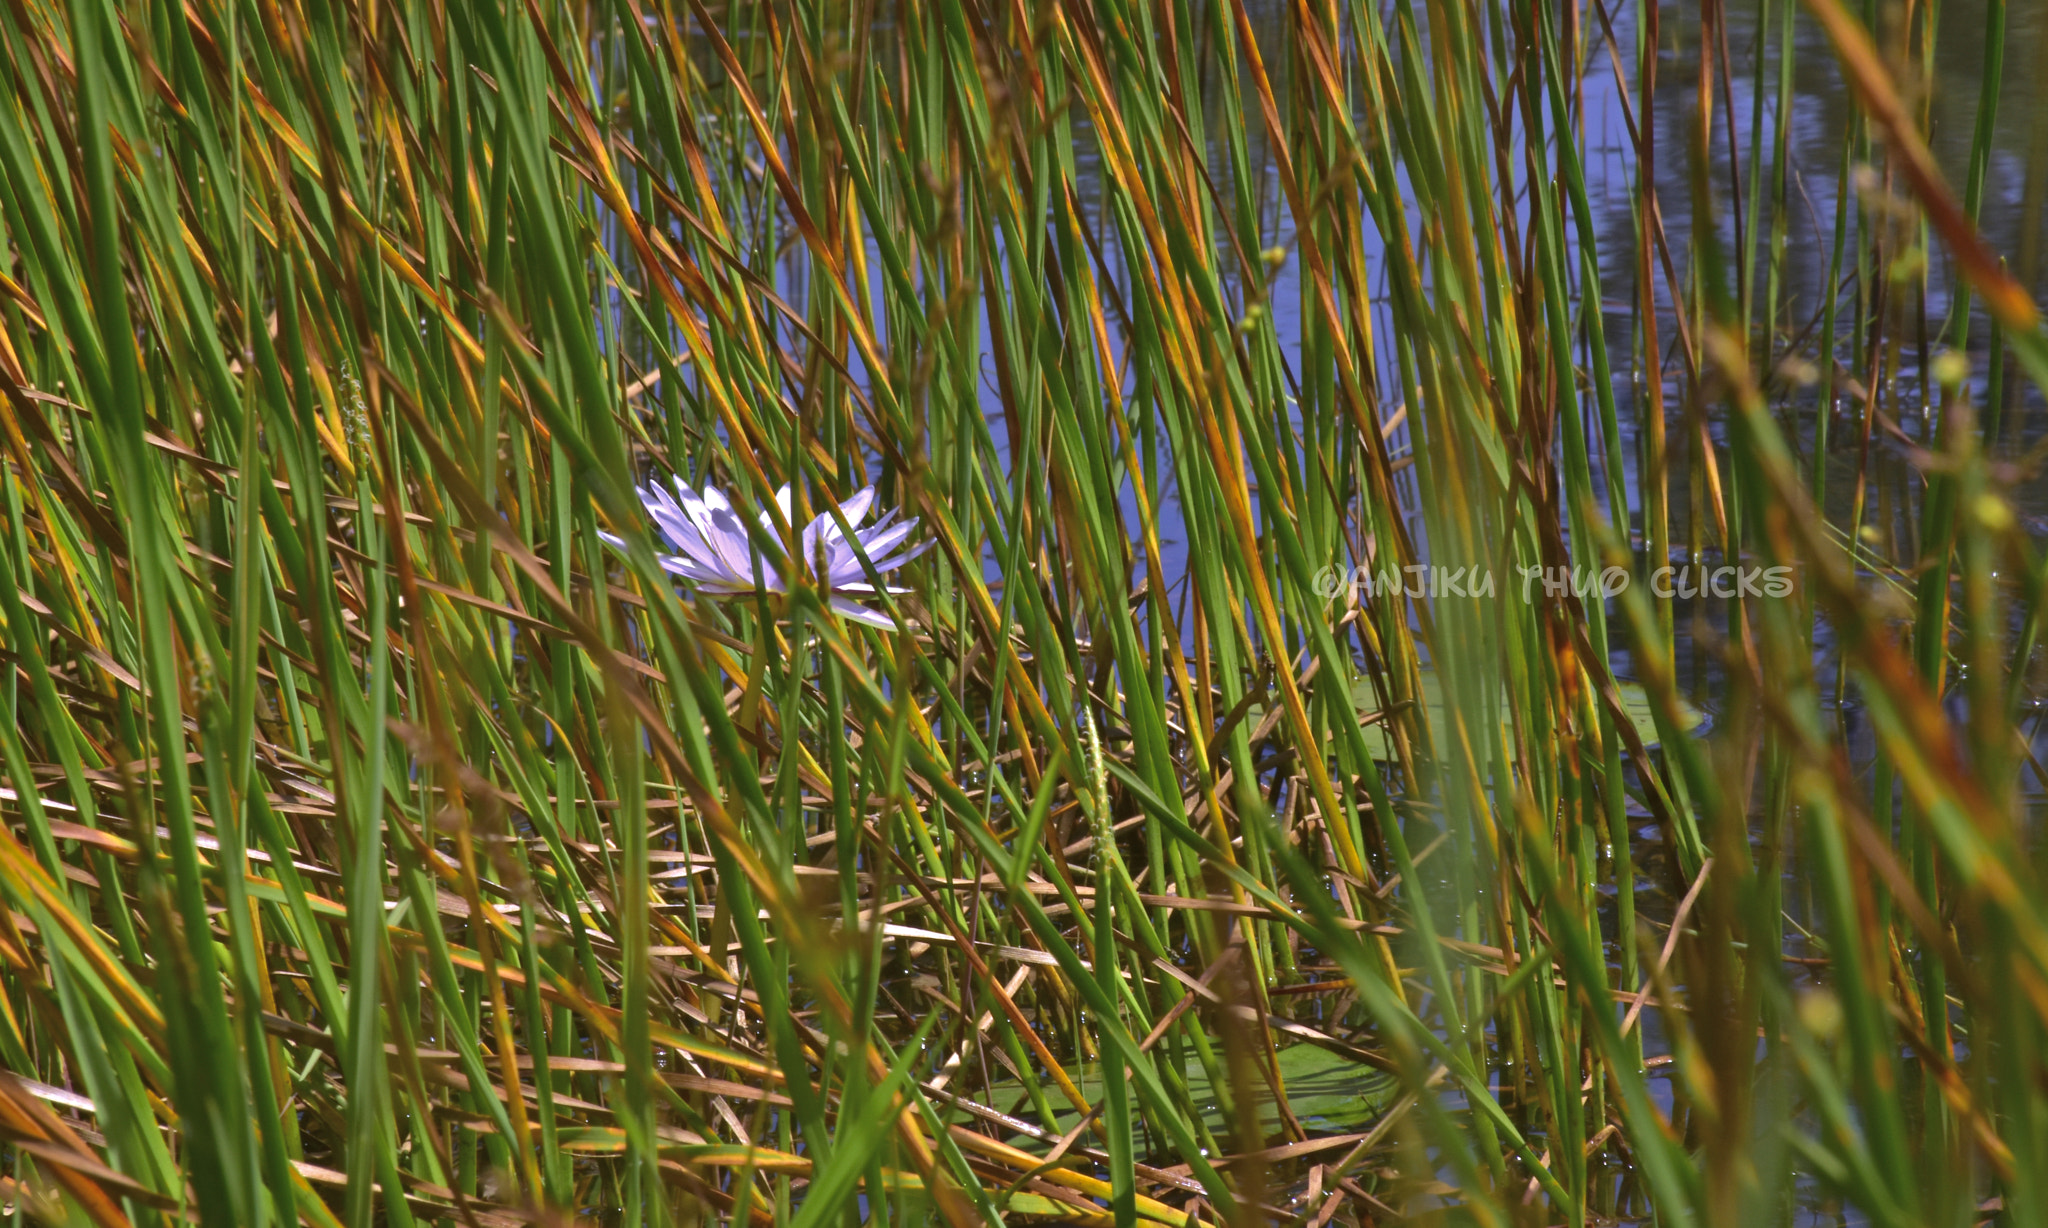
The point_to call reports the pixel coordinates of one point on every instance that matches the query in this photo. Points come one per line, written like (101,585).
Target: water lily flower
(714,553)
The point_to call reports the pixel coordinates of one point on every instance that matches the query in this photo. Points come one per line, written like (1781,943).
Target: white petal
(688,568)
(863,587)
(725,537)
(898,559)
(878,541)
(819,528)
(861,614)
(695,507)
(826,529)
(884,521)
(691,501)
(728,538)
(664,510)
(855,509)
(846,565)
(682,531)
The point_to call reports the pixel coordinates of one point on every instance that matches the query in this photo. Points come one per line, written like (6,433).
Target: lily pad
(1328,1092)
(1635,701)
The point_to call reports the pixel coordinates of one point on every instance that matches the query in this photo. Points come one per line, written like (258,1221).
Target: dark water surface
(2013,221)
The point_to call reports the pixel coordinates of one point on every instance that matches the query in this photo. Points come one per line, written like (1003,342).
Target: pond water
(1820,184)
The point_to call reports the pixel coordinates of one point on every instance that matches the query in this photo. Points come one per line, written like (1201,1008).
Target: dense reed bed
(381,846)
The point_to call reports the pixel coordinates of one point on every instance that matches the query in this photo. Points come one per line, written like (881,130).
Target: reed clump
(383,846)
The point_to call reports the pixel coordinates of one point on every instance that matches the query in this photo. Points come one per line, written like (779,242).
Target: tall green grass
(380,847)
